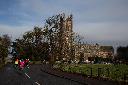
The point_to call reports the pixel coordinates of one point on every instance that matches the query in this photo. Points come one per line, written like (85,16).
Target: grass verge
(114,72)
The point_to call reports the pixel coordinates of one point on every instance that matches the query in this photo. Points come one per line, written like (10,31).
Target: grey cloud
(95,19)
(103,31)
(14,31)
(104,10)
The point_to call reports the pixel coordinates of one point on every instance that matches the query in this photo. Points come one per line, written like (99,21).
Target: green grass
(114,72)
(35,62)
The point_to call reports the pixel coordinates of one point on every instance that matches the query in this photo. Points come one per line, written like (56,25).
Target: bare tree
(60,37)
(56,41)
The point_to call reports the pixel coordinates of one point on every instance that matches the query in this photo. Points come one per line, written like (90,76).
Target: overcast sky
(103,21)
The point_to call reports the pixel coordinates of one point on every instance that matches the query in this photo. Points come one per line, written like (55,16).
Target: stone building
(66,39)
(106,51)
(78,52)
(86,51)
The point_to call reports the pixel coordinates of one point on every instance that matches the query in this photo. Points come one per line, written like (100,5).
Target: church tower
(67,35)
(68,24)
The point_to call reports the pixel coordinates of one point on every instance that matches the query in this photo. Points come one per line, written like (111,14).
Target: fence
(104,73)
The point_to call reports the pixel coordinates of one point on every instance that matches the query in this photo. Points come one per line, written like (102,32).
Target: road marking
(27,75)
(37,83)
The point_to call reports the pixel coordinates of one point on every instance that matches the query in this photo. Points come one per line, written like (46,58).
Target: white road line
(27,75)
(37,83)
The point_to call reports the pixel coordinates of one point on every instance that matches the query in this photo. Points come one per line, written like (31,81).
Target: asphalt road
(34,76)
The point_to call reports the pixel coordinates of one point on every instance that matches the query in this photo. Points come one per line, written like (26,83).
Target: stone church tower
(68,23)
(67,37)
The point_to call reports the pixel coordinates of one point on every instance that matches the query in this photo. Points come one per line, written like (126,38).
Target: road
(10,76)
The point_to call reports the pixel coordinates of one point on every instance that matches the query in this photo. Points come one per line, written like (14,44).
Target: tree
(54,42)
(122,54)
(5,42)
(59,37)
(77,47)
(32,44)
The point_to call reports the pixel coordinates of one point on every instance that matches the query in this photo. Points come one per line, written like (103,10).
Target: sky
(98,21)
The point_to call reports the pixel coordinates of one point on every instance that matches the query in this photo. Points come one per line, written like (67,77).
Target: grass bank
(35,62)
(113,72)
